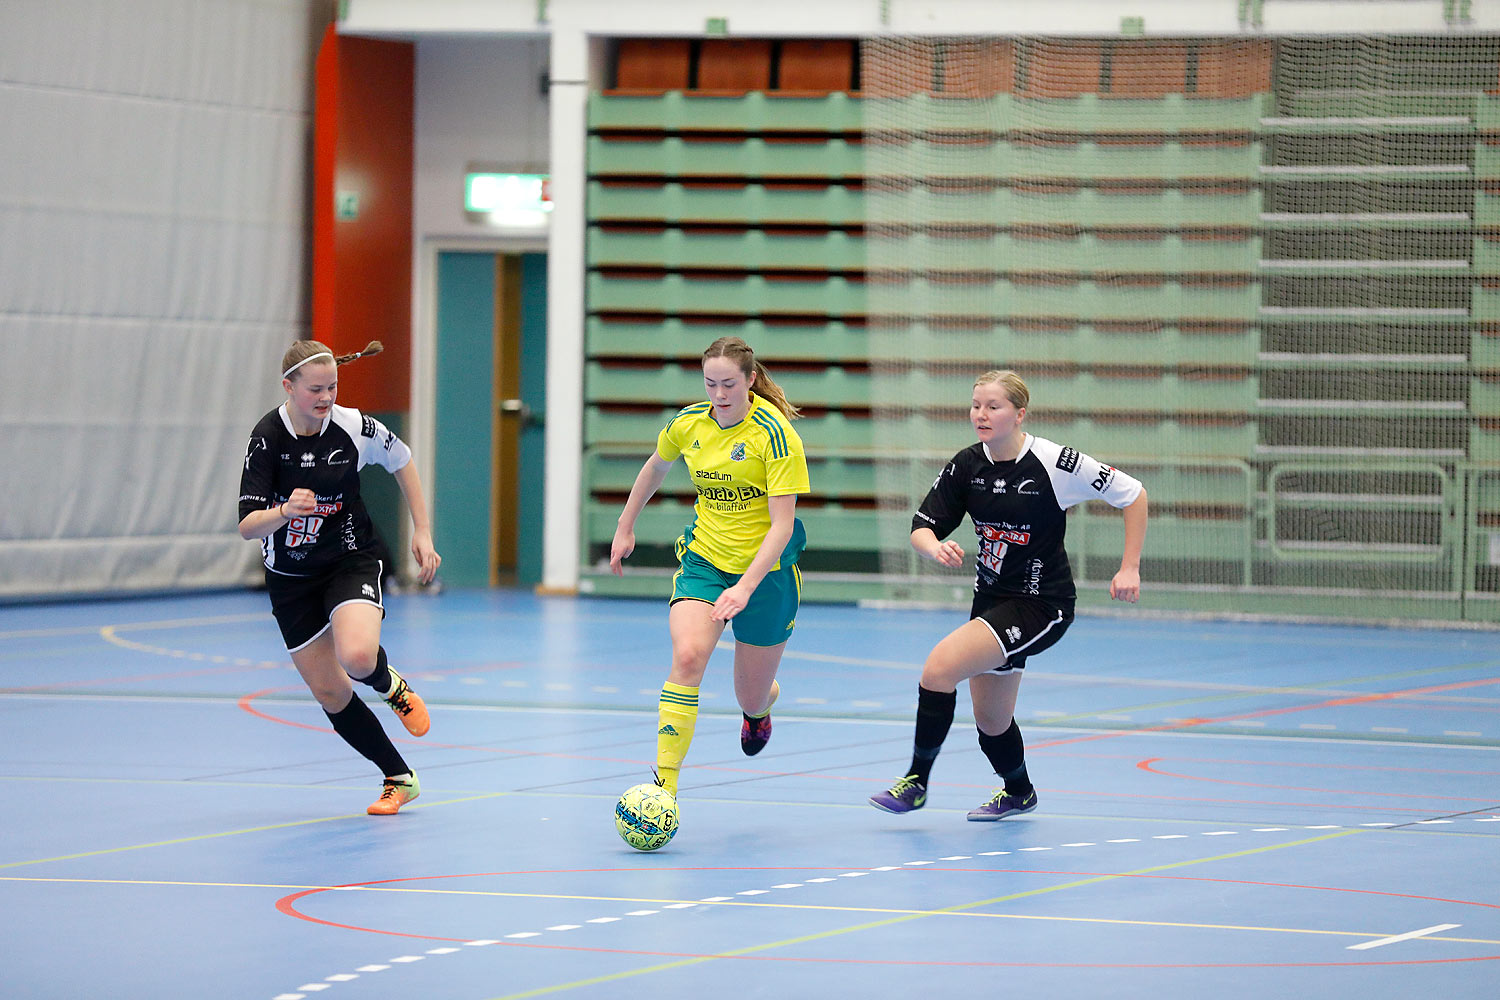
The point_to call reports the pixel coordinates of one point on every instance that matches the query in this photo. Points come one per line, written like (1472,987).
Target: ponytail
(304,351)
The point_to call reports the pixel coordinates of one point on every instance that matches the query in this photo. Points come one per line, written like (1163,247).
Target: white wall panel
(153,268)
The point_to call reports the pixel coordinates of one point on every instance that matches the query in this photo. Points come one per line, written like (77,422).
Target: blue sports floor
(1235,810)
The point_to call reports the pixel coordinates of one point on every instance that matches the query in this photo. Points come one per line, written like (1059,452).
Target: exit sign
(513,200)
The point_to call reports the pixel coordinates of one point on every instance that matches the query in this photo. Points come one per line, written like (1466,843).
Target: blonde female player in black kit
(1016,489)
(739,556)
(299,494)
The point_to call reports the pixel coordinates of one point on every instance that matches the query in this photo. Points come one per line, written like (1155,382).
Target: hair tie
(314,357)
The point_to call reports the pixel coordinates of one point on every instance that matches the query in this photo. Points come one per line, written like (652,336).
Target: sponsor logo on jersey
(1101,481)
(390,439)
(308,461)
(990,533)
(367,427)
(666,730)
(738,454)
(999,486)
(367,590)
(694,446)
(1013,634)
(1021,488)
(1034,579)
(711,474)
(730,494)
(1067,460)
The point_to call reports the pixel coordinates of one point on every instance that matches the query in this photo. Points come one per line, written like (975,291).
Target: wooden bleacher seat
(1148,70)
(1062,69)
(1230,69)
(652,66)
(979,68)
(815,68)
(733,67)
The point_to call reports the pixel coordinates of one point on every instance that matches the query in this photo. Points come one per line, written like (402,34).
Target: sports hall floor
(1228,810)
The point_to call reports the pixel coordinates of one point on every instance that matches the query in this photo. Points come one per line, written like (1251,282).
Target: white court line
(1434,929)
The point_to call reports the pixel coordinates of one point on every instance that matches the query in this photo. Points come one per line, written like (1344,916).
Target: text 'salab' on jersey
(1019,513)
(278,461)
(735,470)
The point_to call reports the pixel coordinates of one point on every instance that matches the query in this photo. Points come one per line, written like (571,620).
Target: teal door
(491,395)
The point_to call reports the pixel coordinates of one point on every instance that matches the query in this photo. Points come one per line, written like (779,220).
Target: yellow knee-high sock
(676,715)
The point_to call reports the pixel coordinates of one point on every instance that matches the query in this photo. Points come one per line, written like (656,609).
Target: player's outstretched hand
(620,549)
(1126,586)
(949,553)
(427,558)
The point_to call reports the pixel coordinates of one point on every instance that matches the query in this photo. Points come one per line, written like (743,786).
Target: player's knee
(940,674)
(358,661)
(688,665)
(991,723)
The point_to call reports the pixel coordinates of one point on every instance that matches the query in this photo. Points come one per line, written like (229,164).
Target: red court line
(245,703)
(287,906)
(1147,766)
(1363,699)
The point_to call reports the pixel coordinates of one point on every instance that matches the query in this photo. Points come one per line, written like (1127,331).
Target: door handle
(519,408)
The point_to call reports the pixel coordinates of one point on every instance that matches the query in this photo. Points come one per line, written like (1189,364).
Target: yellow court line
(236,833)
(959,908)
(60,631)
(646,900)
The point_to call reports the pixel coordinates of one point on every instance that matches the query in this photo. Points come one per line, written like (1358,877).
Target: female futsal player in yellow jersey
(738,558)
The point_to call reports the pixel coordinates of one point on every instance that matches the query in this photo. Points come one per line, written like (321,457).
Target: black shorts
(1021,625)
(304,605)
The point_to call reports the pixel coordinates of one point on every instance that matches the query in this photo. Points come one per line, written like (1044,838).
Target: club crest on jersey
(308,461)
(738,454)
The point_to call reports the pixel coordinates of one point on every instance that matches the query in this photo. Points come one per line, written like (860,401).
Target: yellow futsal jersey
(735,470)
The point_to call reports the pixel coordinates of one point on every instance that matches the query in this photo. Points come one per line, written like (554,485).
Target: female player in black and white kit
(299,494)
(1016,488)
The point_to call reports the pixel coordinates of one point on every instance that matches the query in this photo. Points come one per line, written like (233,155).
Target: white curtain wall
(154,170)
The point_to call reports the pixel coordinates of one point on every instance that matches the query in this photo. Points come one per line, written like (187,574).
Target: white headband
(320,354)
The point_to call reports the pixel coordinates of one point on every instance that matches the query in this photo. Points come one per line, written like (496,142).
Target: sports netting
(1260,275)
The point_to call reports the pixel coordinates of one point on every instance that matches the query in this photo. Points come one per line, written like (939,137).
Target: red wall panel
(362,137)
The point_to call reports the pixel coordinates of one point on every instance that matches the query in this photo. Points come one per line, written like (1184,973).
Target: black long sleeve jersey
(1019,510)
(277,462)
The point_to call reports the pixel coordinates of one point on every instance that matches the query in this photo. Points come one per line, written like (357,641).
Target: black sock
(362,731)
(934,717)
(380,677)
(1007,754)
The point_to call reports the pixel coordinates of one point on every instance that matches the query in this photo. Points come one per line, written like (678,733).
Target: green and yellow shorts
(770,616)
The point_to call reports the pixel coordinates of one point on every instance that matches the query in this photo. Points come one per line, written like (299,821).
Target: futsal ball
(646,817)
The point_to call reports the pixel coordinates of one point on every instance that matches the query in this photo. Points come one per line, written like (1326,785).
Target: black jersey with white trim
(278,461)
(1019,511)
